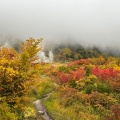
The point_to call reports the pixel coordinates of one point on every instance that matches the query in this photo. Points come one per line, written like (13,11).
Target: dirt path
(41,109)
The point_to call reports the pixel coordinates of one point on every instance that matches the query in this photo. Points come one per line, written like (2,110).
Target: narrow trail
(41,110)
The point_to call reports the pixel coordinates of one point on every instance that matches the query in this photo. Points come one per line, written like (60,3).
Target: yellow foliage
(115,67)
(17,72)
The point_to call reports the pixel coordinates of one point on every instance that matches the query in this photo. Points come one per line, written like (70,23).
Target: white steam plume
(51,56)
(43,58)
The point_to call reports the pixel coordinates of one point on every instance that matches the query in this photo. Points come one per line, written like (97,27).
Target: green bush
(6,113)
(63,68)
(72,83)
(103,88)
(90,88)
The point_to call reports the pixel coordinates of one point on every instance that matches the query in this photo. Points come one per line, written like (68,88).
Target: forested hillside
(75,52)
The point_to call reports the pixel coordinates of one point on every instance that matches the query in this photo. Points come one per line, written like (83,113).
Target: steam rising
(43,58)
(6,45)
(51,56)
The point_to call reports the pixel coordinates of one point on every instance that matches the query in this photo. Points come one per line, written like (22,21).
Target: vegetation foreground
(86,89)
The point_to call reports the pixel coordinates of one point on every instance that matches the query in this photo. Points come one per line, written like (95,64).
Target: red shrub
(78,74)
(115,109)
(63,77)
(80,62)
(104,74)
(66,77)
(115,85)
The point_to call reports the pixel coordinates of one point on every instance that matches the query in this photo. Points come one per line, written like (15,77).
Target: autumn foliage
(92,82)
(17,73)
(72,75)
(105,74)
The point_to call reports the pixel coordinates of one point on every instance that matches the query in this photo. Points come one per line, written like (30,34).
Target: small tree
(17,72)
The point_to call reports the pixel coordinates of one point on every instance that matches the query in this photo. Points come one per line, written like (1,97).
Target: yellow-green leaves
(17,72)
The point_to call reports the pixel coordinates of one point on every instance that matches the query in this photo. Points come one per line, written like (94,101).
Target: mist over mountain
(85,22)
(67,49)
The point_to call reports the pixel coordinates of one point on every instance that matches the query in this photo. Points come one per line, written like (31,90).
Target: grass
(76,111)
(42,87)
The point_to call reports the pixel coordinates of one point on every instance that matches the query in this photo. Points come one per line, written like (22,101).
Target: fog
(90,22)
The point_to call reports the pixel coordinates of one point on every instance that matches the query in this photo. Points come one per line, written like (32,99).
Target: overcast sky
(92,21)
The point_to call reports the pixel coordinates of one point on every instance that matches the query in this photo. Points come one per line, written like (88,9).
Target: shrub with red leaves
(115,85)
(72,75)
(104,74)
(63,77)
(115,109)
(80,62)
(78,74)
